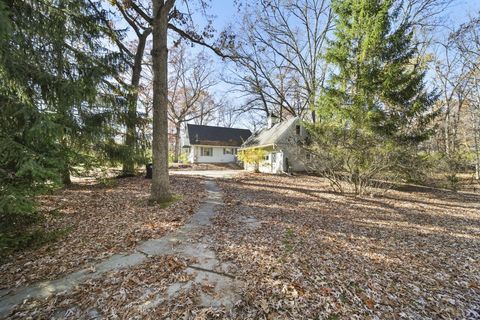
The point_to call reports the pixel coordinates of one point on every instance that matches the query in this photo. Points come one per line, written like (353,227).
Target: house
(208,144)
(281,142)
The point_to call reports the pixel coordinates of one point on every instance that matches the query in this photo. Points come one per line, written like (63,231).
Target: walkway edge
(153,247)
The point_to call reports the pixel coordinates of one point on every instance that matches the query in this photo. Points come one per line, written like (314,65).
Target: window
(297,129)
(227,151)
(206,152)
(266,157)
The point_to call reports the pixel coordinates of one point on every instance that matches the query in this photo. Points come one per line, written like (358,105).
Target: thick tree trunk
(477,153)
(160,183)
(177,143)
(476,131)
(131,120)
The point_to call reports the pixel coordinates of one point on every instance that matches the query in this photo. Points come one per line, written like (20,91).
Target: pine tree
(376,106)
(53,110)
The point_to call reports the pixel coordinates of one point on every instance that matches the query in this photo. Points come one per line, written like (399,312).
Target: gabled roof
(216,136)
(272,136)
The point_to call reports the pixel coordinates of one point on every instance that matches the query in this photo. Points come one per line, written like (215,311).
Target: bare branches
(195,38)
(189,97)
(280,54)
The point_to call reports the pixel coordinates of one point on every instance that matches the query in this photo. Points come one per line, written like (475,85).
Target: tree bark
(177,143)
(476,131)
(66,178)
(477,149)
(160,191)
(132,98)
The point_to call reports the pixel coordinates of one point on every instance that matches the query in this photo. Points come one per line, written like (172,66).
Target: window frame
(203,149)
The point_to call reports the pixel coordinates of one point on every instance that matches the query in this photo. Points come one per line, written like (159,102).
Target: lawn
(304,252)
(98,220)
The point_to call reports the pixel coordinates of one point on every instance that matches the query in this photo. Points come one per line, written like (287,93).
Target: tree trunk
(447,133)
(476,132)
(66,178)
(160,191)
(177,143)
(131,120)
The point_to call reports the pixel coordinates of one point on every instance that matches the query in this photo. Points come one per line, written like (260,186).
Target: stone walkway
(182,242)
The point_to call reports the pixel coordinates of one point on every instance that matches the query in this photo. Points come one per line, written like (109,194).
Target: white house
(281,142)
(209,144)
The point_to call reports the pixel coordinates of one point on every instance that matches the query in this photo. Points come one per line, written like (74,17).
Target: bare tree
(227,114)
(467,42)
(280,61)
(451,78)
(163,15)
(190,80)
(457,76)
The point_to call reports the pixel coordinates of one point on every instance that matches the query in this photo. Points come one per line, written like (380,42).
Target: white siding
(217,156)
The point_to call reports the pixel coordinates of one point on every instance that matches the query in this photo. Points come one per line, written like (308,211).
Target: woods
(385,95)
(374,93)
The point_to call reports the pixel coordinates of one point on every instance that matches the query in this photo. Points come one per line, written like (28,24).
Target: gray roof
(216,136)
(267,137)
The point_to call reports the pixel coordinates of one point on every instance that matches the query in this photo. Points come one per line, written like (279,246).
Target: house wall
(217,156)
(286,152)
(274,163)
(295,158)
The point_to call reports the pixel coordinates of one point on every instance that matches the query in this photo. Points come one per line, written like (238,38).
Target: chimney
(272,120)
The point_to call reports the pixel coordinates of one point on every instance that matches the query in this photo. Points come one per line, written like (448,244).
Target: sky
(224,12)
(457,13)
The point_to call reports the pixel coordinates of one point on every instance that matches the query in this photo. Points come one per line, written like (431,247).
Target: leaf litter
(302,252)
(103,220)
(315,254)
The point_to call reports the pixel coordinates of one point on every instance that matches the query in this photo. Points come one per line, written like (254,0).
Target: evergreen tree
(52,105)
(375,107)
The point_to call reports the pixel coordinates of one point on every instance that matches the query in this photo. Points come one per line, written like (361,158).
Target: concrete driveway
(209,173)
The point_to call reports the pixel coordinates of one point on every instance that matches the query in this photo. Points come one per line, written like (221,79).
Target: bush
(252,156)
(356,161)
(444,168)
(183,158)
(171,158)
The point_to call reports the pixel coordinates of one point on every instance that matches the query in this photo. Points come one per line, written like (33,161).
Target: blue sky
(224,12)
(458,12)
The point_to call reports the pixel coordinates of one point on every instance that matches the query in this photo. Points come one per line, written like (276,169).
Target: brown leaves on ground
(101,221)
(130,293)
(304,252)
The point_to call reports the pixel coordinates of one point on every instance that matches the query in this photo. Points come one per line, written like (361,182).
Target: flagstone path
(184,242)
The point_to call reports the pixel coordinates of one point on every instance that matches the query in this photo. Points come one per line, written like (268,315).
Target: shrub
(356,159)
(252,156)
(183,158)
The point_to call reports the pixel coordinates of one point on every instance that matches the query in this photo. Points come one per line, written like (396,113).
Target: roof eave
(274,145)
